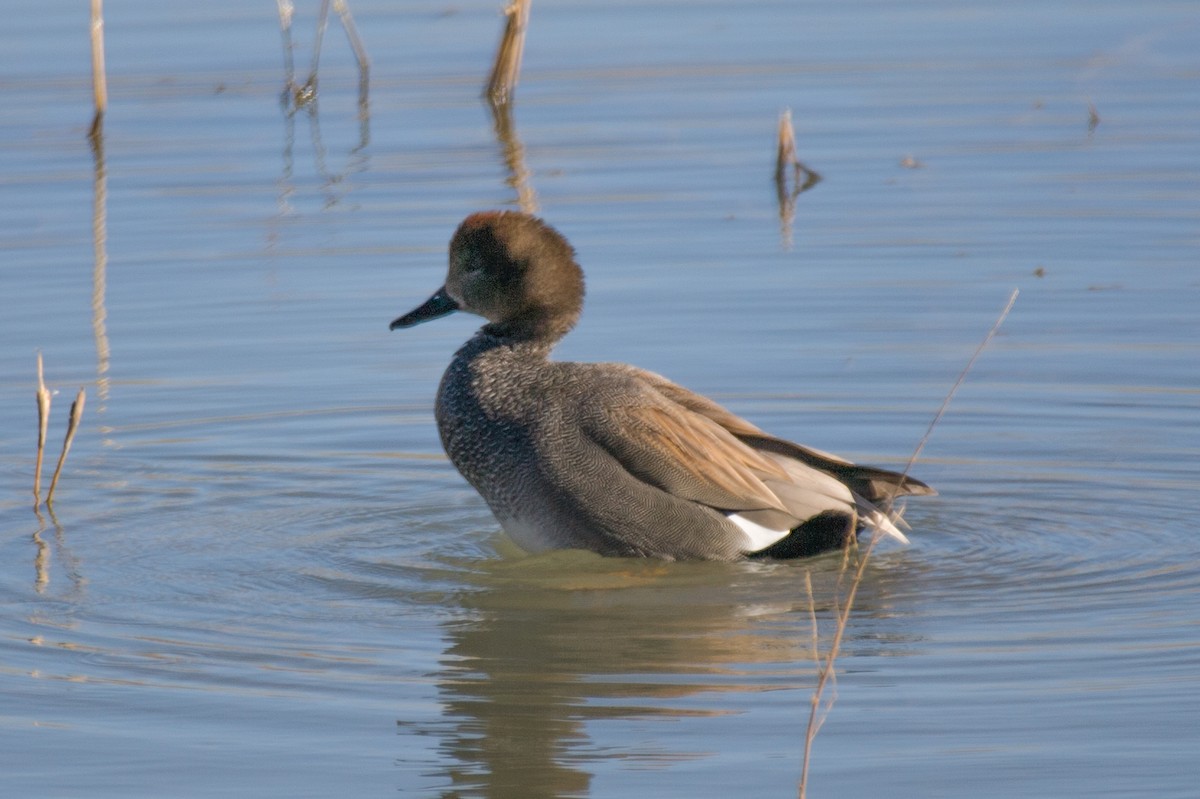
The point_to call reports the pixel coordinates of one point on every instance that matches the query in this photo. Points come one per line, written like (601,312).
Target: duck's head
(513,270)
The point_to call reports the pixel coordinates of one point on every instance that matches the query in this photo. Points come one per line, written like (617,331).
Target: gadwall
(608,457)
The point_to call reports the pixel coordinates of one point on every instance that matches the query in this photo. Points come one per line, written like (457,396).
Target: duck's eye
(470,263)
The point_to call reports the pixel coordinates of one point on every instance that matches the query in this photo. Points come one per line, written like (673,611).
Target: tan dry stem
(826,675)
(506,71)
(43,406)
(72,426)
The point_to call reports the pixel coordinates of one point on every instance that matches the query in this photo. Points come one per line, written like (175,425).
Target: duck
(608,457)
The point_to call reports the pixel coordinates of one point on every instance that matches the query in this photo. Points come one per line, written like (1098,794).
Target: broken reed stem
(72,426)
(785,156)
(296,96)
(506,71)
(43,406)
(99,79)
(787,161)
(788,164)
(827,672)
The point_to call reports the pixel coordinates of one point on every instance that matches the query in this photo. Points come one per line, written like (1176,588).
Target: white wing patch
(529,536)
(757,536)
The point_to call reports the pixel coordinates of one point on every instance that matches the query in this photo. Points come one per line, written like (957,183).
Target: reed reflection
(43,560)
(498,94)
(548,649)
(297,97)
(514,157)
(334,184)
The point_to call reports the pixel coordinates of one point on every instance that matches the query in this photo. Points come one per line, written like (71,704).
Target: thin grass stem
(826,673)
(937,417)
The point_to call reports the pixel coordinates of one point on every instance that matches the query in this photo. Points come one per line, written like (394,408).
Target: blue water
(262,577)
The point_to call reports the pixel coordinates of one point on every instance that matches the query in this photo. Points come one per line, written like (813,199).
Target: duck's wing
(817,483)
(685,454)
(879,486)
(872,484)
(692,448)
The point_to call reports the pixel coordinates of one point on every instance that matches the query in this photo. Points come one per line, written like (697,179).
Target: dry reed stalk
(43,406)
(72,426)
(507,69)
(787,161)
(99,79)
(301,95)
(785,155)
(827,672)
(801,177)
(100,267)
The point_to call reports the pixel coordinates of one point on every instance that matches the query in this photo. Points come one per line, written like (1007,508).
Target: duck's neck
(535,330)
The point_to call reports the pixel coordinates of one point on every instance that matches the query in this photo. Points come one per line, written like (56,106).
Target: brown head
(513,270)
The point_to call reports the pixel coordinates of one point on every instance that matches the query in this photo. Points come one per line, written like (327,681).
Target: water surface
(262,577)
